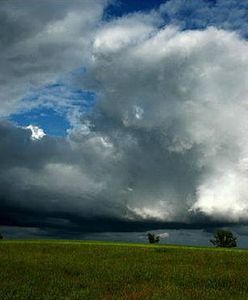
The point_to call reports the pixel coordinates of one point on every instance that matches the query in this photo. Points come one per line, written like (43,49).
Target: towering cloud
(174,98)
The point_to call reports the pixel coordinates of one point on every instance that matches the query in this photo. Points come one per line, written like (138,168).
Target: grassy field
(94,270)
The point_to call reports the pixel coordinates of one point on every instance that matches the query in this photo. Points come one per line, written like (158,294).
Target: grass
(97,270)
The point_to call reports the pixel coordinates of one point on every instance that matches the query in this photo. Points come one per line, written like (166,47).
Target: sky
(122,117)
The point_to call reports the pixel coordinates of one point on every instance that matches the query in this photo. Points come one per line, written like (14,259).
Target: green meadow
(97,270)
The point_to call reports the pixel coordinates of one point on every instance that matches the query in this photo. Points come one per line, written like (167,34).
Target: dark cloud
(44,186)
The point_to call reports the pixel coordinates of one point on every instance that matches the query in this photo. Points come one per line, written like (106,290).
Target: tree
(1,237)
(152,238)
(224,238)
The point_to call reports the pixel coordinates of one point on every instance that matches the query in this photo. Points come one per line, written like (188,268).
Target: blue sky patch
(52,106)
(121,8)
(49,120)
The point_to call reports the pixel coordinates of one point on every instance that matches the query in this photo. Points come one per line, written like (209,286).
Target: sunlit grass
(101,270)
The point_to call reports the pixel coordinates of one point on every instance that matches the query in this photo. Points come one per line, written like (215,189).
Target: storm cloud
(165,144)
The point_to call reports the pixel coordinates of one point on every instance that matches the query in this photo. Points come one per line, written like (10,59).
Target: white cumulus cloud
(36,132)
